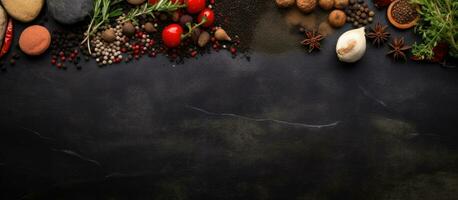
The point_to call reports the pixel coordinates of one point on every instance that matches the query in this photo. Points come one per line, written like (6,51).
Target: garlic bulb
(351,45)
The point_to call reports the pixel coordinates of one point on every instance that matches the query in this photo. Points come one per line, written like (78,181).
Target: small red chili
(8,38)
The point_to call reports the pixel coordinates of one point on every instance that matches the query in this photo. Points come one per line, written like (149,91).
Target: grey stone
(70,11)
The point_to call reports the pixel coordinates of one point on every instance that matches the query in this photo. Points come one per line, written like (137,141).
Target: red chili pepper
(8,38)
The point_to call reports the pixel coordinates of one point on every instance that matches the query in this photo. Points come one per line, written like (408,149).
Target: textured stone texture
(70,11)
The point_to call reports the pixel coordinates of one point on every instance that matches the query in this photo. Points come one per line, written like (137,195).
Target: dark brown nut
(337,18)
(285,3)
(306,6)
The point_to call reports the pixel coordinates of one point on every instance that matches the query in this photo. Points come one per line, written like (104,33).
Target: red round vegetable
(171,35)
(195,6)
(209,15)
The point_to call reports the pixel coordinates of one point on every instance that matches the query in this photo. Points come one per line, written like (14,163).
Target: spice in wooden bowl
(402,14)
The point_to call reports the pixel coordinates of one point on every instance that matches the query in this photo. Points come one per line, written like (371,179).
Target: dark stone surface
(69,11)
(223,128)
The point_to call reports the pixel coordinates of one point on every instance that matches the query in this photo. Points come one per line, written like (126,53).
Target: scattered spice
(312,40)
(378,34)
(65,47)
(398,48)
(404,12)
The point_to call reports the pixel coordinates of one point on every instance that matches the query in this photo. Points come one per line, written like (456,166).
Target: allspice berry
(337,18)
(109,35)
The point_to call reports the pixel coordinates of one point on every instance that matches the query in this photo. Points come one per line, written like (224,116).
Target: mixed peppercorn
(404,12)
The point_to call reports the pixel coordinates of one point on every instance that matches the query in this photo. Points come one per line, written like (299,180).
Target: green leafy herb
(439,23)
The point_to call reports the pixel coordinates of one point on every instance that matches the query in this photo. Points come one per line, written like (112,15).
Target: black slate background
(155,130)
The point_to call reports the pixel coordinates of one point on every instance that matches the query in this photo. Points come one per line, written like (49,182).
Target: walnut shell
(285,3)
(306,6)
(341,4)
(337,18)
(326,4)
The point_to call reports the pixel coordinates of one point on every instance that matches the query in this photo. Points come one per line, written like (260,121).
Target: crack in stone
(295,124)
(36,134)
(79,156)
(368,94)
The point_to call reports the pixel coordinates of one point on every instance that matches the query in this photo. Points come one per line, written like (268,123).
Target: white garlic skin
(351,45)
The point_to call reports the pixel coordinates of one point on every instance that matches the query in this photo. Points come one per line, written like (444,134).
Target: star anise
(312,40)
(398,49)
(378,34)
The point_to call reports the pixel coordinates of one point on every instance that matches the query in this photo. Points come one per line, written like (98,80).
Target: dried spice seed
(404,12)
(312,40)
(398,49)
(378,34)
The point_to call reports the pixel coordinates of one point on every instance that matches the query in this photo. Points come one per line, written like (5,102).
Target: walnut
(285,3)
(306,6)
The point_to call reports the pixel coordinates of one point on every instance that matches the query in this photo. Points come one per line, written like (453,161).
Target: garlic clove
(351,45)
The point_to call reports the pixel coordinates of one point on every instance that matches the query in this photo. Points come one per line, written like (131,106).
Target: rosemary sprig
(148,9)
(104,10)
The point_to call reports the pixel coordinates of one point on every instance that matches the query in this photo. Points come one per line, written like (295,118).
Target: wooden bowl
(396,24)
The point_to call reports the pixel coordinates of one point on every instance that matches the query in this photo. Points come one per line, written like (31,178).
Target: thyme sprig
(439,23)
